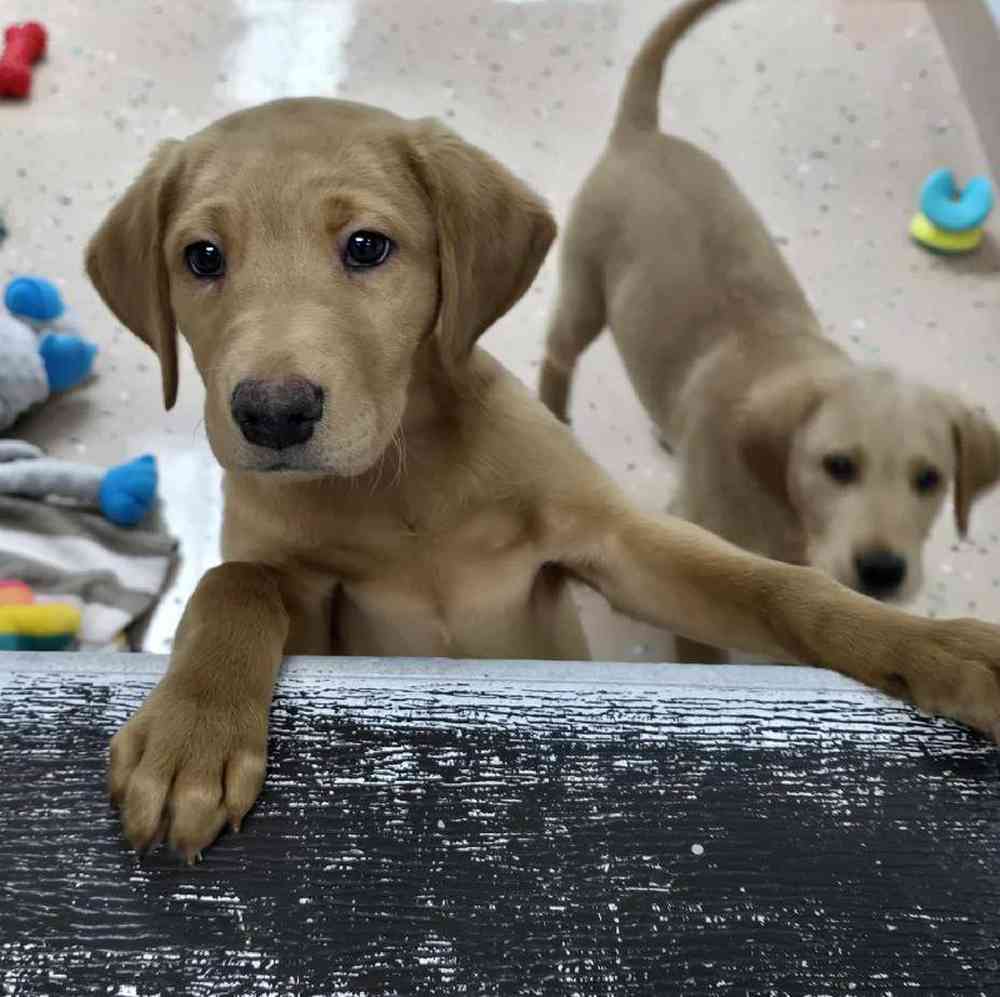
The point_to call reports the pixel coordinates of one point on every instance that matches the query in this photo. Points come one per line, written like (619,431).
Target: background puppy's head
(309,250)
(865,461)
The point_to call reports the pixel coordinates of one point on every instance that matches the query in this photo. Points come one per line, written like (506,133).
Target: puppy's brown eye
(927,480)
(204,259)
(841,468)
(367,249)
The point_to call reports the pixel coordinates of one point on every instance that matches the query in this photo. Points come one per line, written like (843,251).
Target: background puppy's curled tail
(638,108)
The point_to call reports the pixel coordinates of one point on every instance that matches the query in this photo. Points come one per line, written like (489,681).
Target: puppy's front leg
(676,575)
(192,758)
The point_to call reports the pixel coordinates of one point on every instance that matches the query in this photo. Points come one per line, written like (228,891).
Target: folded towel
(112,575)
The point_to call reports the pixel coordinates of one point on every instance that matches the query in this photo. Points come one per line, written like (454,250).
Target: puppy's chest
(401,549)
(405,563)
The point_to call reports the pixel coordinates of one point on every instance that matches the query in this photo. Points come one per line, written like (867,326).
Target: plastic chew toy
(26,625)
(956,210)
(24,45)
(950,220)
(941,240)
(15,593)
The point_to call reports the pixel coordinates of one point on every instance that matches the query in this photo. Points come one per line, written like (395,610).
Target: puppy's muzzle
(279,413)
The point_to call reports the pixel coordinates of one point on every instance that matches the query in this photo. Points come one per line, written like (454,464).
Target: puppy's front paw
(951,668)
(182,768)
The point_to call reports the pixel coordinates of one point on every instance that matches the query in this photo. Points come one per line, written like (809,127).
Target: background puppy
(787,448)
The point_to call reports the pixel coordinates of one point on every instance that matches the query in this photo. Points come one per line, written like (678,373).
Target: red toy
(24,45)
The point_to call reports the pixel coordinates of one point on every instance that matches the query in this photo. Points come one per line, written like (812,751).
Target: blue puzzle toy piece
(954,210)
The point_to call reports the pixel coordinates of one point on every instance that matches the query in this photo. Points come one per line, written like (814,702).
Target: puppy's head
(309,250)
(865,461)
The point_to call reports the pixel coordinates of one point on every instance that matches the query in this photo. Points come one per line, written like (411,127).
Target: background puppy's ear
(768,424)
(977,459)
(493,233)
(125,262)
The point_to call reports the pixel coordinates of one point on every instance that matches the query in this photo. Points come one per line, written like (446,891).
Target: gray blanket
(113,575)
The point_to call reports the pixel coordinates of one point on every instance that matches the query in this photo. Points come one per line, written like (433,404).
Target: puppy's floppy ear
(493,233)
(125,261)
(767,425)
(977,459)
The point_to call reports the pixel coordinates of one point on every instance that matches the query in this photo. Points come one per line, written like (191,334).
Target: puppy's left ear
(977,459)
(493,233)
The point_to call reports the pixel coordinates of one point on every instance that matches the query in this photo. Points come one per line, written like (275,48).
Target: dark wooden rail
(498,828)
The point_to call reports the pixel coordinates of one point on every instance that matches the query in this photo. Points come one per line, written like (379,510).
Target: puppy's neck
(439,393)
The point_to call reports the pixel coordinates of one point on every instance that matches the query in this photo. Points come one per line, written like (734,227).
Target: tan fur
(728,358)
(439,509)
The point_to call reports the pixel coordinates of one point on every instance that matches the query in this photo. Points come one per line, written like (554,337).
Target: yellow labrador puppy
(390,488)
(787,448)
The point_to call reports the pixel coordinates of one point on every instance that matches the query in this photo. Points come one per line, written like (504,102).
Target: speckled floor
(830,113)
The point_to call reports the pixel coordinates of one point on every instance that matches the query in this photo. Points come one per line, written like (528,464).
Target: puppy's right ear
(493,234)
(768,424)
(125,261)
(977,458)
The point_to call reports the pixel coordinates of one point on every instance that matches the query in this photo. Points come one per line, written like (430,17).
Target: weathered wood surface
(491,829)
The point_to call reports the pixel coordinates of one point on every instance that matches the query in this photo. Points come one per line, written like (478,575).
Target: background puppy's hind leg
(577,321)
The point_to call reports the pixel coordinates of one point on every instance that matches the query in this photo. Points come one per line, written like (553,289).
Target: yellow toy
(26,625)
(950,219)
(941,240)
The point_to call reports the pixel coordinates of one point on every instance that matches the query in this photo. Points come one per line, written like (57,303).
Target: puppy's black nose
(880,572)
(277,413)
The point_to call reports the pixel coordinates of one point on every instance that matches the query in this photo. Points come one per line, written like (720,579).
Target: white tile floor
(830,113)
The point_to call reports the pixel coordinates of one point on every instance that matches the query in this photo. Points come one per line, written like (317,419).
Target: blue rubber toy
(954,210)
(129,490)
(34,300)
(68,360)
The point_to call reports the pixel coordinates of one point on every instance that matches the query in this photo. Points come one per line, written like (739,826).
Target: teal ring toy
(952,209)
